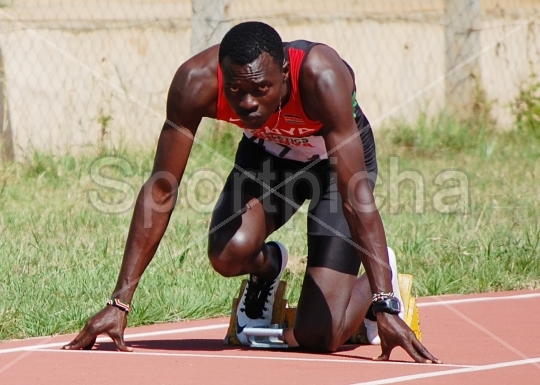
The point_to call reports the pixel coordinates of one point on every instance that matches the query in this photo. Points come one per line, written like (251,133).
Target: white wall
(68,66)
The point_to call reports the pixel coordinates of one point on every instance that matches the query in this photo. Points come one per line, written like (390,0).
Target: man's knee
(229,254)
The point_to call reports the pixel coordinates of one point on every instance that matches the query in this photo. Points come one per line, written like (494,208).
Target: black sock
(280,259)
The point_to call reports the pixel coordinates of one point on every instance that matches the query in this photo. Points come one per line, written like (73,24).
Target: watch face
(388,305)
(395,305)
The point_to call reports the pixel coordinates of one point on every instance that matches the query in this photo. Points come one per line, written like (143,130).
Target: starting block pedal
(283,317)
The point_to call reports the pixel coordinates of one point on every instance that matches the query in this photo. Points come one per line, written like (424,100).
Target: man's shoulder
(304,55)
(200,67)
(300,44)
(321,79)
(324,52)
(195,84)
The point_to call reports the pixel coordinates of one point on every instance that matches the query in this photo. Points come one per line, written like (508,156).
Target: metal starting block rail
(283,317)
(266,338)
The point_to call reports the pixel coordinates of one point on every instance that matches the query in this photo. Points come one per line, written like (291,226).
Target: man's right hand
(111,321)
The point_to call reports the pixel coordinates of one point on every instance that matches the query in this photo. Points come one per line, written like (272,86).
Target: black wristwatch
(388,305)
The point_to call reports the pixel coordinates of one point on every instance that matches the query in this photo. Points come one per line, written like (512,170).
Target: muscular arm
(328,85)
(192,96)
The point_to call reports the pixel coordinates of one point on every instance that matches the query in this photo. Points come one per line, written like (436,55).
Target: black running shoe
(255,306)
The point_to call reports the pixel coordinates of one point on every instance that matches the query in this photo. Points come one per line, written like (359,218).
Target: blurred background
(81,74)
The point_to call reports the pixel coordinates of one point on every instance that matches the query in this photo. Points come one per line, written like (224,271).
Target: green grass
(492,245)
(60,255)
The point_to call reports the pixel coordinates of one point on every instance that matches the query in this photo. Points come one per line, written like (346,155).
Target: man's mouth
(252,121)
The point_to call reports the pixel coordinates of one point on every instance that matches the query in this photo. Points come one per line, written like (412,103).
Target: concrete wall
(71,64)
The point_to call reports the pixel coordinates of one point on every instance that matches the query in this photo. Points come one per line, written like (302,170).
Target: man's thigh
(279,185)
(256,199)
(332,269)
(324,303)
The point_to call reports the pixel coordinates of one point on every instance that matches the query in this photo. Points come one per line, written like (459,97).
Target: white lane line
(247,357)
(472,369)
(223,325)
(126,337)
(480,299)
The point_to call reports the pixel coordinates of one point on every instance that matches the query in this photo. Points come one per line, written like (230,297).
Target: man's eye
(233,89)
(263,88)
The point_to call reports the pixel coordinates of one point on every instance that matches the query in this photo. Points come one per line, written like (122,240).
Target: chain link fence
(83,74)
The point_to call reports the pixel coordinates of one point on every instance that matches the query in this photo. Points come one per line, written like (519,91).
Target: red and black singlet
(294,136)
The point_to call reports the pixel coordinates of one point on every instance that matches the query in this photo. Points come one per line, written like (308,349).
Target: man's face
(254,90)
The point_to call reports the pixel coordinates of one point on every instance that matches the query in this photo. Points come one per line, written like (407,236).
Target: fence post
(463,21)
(209,23)
(7,154)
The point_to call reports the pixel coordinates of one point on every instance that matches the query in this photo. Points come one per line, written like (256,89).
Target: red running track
(483,339)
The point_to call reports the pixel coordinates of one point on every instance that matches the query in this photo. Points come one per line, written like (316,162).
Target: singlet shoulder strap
(302,45)
(306,46)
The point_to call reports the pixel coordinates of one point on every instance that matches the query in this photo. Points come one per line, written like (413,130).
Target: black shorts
(283,185)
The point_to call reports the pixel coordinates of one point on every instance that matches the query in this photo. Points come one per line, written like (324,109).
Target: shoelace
(256,298)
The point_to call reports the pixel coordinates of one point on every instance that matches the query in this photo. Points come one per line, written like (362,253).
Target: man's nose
(249,103)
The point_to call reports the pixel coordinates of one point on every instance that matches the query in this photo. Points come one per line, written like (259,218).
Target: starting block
(283,317)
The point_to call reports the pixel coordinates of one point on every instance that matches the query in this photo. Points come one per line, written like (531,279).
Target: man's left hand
(393,332)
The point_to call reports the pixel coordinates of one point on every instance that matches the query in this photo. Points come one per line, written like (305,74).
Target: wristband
(381,296)
(120,305)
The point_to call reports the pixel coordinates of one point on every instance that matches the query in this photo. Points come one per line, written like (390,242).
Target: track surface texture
(482,339)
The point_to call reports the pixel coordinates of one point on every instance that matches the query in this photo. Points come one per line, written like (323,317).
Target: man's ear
(286,71)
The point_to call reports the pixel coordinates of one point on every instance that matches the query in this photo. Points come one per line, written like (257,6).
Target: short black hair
(246,41)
